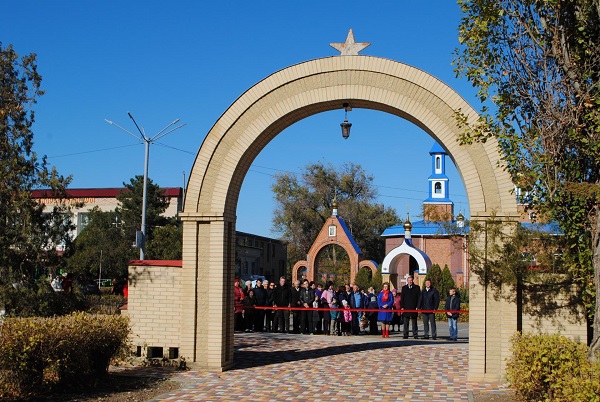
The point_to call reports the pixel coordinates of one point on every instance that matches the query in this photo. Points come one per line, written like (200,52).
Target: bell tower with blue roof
(438,206)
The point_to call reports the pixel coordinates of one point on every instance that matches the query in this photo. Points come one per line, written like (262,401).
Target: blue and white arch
(390,262)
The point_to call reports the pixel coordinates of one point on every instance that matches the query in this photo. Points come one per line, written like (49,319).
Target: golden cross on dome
(350,47)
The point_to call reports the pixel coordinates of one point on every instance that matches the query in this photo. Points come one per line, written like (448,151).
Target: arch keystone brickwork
(259,115)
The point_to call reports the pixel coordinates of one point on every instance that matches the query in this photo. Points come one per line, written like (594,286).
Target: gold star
(349,48)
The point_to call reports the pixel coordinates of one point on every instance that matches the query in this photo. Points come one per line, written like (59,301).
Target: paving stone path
(281,367)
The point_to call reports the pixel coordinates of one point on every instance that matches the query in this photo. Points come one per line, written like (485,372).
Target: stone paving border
(282,367)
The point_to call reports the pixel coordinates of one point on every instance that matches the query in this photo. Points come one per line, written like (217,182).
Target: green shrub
(463,317)
(552,368)
(38,353)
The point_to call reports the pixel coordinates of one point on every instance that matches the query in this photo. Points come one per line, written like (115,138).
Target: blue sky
(191,60)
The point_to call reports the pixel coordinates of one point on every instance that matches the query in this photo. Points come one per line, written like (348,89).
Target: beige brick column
(492,320)
(207,291)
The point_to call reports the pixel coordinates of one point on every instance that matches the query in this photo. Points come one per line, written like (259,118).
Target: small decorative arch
(334,232)
(370,264)
(406,248)
(299,270)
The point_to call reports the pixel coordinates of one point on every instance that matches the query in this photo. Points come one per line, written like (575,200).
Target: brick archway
(334,232)
(259,115)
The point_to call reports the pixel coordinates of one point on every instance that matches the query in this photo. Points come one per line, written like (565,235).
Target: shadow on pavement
(289,348)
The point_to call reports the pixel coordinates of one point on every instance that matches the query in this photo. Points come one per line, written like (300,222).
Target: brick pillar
(492,322)
(207,292)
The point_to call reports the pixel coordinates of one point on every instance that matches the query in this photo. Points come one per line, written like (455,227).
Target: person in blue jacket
(357,301)
(385,301)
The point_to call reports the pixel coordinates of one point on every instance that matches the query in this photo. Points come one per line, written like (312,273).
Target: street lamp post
(147,141)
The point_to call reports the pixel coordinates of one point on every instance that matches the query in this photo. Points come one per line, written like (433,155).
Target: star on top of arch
(350,48)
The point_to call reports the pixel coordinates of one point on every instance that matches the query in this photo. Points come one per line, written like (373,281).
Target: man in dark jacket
(430,300)
(260,294)
(453,303)
(345,295)
(307,295)
(282,297)
(296,303)
(411,300)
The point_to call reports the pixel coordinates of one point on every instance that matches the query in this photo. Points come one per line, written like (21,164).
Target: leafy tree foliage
(363,278)
(103,242)
(539,63)
(130,210)
(434,275)
(166,242)
(109,236)
(377,281)
(304,204)
(441,279)
(28,233)
(446,282)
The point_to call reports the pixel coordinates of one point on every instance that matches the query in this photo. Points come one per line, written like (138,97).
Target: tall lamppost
(141,240)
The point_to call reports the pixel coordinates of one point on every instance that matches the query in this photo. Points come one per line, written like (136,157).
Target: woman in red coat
(238,302)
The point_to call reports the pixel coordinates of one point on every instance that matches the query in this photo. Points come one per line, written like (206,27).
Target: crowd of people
(310,308)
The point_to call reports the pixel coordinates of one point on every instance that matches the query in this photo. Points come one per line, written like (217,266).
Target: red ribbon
(363,310)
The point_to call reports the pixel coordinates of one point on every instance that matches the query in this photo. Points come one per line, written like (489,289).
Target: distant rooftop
(110,192)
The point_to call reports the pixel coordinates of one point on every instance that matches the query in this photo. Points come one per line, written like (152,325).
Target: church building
(439,236)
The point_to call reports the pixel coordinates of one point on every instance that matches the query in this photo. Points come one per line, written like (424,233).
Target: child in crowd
(347,318)
(335,318)
(315,316)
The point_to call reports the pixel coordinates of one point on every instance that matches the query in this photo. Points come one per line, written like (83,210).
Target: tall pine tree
(28,233)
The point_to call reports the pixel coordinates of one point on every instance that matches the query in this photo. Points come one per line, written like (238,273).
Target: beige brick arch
(259,115)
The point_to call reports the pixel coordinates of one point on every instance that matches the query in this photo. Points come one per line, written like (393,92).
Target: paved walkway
(280,367)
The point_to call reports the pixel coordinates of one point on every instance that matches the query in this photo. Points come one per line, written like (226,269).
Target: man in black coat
(430,300)
(411,300)
(307,295)
(296,303)
(282,297)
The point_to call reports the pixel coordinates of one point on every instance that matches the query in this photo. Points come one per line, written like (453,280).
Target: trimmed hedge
(39,353)
(463,317)
(552,368)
